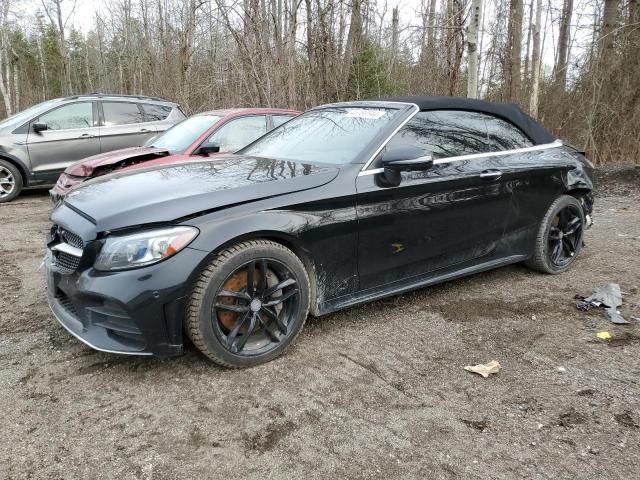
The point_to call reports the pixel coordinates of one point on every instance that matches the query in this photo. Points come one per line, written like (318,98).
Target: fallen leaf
(603,335)
(484,369)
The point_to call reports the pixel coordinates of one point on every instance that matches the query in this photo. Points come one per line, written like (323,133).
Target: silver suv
(37,144)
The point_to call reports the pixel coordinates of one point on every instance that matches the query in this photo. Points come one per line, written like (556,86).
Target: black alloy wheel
(564,236)
(249,304)
(253,309)
(559,238)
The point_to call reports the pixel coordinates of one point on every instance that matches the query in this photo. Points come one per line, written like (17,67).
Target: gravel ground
(377,391)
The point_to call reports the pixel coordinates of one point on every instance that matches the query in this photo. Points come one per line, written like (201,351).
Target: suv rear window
(155,113)
(121,113)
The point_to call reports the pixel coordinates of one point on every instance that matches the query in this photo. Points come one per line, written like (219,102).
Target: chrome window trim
(472,156)
(384,144)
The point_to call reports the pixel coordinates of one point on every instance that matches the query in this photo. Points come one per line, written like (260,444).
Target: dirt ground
(377,391)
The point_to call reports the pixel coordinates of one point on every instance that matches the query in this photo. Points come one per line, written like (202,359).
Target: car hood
(169,192)
(111,160)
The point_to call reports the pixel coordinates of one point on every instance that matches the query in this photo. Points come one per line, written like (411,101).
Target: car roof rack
(116,95)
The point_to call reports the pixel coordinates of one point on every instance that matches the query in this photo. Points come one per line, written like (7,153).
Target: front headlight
(145,248)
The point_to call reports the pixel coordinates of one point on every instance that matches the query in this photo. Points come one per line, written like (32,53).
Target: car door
(449,215)
(123,125)
(533,175)
(71,135)
(238,132)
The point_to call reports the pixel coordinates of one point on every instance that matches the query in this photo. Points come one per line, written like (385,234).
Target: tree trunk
(64,52)
(5,85)
(43,66)
(454,43)
(472,43)
(609,19)
(515,50)
(395,20)
(535,62)
(15,67)
(560,70)
(353,42)
(527,63)
(428,47)
(292,99)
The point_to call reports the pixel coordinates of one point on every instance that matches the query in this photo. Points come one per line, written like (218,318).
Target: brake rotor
(238,283)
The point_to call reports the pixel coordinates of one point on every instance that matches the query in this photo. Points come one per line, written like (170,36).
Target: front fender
(322,233)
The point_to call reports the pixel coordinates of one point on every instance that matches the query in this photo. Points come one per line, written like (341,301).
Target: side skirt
(44,178)
(414,283)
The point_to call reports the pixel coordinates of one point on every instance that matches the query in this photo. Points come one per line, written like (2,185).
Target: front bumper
(63,185)
(55,196)
(134,312)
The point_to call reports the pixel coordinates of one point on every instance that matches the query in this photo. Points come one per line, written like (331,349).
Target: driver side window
(238,133)
(67,117)
(452,133)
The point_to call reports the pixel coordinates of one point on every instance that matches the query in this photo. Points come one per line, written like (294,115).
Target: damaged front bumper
(134,312)
(587,207)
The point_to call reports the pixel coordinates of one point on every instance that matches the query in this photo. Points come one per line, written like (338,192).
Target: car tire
(13,186)
(557,238)
(224,285)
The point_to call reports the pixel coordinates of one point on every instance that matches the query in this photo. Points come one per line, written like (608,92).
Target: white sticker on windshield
(365,113)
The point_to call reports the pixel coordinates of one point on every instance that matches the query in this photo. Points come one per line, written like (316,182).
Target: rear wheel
(559,238)
(249,304)
(10,181)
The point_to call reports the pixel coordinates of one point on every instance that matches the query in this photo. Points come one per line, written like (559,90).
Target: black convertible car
(347,203)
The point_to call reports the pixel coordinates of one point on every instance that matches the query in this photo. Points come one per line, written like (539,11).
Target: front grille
(72,239)
(67,263)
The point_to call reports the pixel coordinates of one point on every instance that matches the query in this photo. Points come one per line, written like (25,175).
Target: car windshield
(327,135)
(180,137)
(26,115)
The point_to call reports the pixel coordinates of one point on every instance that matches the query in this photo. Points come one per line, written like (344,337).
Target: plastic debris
(603,335)
(484,369)
(608,297)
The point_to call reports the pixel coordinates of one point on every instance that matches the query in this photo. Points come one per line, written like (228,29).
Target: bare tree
(454,42)
(53,9)
(560,69)
(535,61)
(5,54)
(472,41)
(514,50)
(353,40)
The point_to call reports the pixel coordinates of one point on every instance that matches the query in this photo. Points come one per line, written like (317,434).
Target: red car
(200,135)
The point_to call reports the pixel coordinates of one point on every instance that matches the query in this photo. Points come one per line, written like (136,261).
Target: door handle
(144,130)
(490,174)
(86,135)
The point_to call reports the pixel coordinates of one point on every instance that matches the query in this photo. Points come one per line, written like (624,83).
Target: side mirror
(39,127)
(207,149)
(403,159)
(407,159)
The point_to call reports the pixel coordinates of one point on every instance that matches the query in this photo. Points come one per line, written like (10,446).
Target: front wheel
(559,238)
(249,304)
(10,181)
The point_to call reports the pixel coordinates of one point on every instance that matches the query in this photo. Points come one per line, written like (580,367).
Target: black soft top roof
(507,111)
